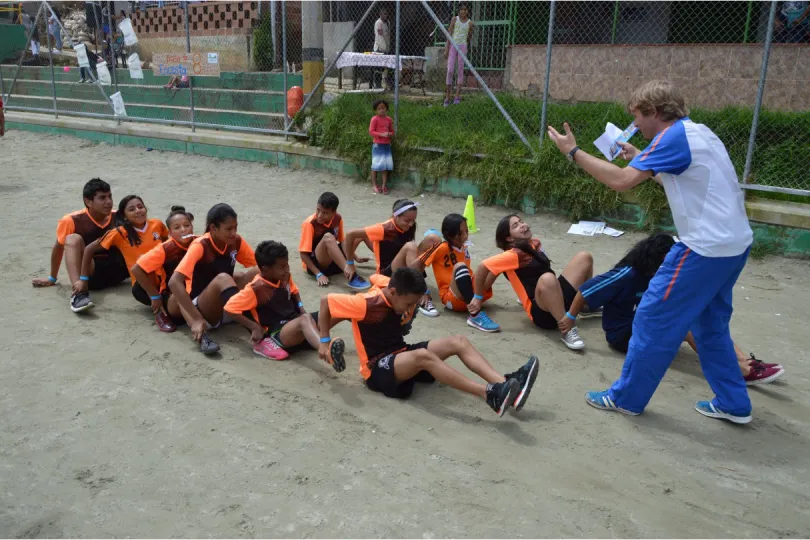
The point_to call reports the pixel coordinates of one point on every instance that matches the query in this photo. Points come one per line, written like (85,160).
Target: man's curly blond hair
(660,97)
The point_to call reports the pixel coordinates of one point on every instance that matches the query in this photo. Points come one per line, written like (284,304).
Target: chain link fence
(477,78)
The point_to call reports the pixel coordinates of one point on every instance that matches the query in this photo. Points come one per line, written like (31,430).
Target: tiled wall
(711,76)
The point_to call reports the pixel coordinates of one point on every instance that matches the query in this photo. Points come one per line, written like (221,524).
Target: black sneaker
(81,302)
(208,346)
(336,349)
(588,313)
(525,376)
(500,396)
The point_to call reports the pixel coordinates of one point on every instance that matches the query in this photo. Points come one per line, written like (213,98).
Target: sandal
(385,190)
(376,190)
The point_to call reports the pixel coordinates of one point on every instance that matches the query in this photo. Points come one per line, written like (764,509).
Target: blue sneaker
(601,400)
(358,283)
(707,408)
(483,322)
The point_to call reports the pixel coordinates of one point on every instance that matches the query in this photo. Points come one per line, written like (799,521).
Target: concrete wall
(233,49)
(711,76)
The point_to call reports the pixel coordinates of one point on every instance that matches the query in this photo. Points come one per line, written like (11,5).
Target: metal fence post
(22,55)
(760,91)
(475,73)
(113,59)
(53,77)
(544,106)
(284,61)
(396,69)
(190,77)
(337,57)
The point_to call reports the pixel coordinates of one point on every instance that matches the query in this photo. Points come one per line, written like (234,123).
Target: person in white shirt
(382,41)
(692,289)
(461,30)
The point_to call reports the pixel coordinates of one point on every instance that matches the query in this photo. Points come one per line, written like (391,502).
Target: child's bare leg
(243,278)
(742,360)
(579,269)
(406,256)
(74,251)
(548,295)
(210,301)
(328,251)
(173,308)
(408,364)
(385,179)
(460,346)
(374,179)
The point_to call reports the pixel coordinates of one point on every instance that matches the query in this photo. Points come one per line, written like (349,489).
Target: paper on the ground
(129,34)
(610,231)
(81,55)
(608,142)
(587,228)
(118,104)
(134,64)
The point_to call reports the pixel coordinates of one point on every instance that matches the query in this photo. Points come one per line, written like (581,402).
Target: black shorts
(110,269)
(142,296)
(303,346)
(621,344)
(331,270)
(383,380)
(387,271)
(546,320)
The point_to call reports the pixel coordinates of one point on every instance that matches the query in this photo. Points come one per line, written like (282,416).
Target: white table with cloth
(414,64)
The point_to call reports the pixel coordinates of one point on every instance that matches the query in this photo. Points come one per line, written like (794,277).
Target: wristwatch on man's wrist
(570,155)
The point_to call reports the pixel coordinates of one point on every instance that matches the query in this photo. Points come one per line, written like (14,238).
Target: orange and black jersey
(376,327)
(83,224)
(153,233)
(522,270)
(204,261)
(312,232)
(387,240)
(163,260)
(443,258)
(270,304)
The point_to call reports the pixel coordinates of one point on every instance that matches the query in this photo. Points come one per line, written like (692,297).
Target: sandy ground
(109,428)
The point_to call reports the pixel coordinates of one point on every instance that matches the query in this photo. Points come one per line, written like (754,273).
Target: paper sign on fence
(103,73)
(134,64)
(118,104)
(81,55)
(129,34)
(608,142)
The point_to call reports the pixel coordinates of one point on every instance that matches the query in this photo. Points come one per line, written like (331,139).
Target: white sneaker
(572,340)
(428,309)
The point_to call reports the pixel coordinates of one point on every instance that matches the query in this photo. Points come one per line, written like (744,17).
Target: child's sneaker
(601,400)
(446,103)
(483,322)
(269,349)
(763,375)
(456,101)
(500,396)
(572,340)
(164,322)
(81,302)
(755,362)
(336,349)
(525,376)
(707,408)
(590,313)
(208,346)
(428,309)
(358,283)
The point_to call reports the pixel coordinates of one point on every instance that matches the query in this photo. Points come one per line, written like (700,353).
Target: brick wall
(711,76)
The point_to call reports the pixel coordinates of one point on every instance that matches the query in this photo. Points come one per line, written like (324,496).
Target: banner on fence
(196,64)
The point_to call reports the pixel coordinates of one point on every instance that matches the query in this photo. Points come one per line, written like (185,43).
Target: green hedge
(509,171)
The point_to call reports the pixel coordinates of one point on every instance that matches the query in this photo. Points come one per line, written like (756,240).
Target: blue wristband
(318,275)
(326,339)
(156,297)
(570,316)
(84,278)
(52,279)
(300,304)
(478,297)
(350,263)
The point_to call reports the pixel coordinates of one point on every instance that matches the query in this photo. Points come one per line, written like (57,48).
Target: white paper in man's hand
(608,142)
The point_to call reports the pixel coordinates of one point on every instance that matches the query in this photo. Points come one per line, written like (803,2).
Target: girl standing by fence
(461,29)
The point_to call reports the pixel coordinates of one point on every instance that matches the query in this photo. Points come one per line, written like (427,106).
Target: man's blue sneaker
(707,408)
(601,400)
(358,283)
(483,322)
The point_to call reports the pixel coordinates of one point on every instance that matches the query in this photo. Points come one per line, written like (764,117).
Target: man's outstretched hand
(566,142)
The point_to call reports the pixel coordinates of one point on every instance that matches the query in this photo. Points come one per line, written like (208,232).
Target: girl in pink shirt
(381,130)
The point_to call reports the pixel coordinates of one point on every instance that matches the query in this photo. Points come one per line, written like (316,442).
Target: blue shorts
(381,159)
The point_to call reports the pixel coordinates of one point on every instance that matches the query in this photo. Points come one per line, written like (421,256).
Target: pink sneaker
(763,375)
(269,349)
(755,362)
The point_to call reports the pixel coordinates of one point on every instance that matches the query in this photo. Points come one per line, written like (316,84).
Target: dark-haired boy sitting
(77,230)
(270,307)
(391,366)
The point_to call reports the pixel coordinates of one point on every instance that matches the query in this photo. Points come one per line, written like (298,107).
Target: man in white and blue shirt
(692,290)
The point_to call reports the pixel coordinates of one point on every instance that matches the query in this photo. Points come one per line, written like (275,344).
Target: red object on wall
(295,99)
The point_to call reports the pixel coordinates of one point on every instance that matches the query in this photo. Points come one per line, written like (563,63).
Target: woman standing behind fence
(461,29)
